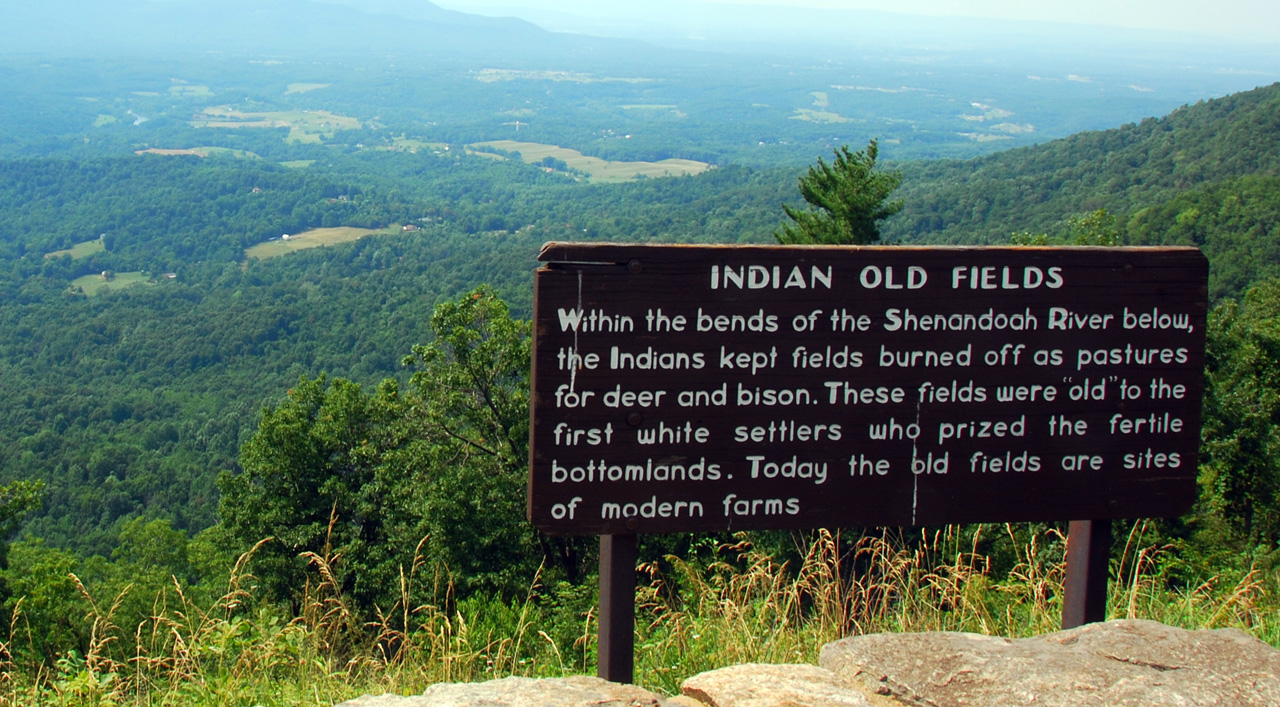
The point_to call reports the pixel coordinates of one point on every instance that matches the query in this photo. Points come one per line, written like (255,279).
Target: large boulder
(579,691)
(1113,664)
(765,685)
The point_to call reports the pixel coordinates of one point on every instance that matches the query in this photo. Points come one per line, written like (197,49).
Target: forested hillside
(1199,176)
(130,401)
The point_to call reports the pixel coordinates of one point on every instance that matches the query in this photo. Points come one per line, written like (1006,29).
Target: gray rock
(386,700)
(579,691)
(762,685)
(1114,664)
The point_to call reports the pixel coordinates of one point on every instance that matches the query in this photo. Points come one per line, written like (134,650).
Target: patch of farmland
(315,238)
(492,75)
(189,91)
(80,250)
(304,87)
(92,285)
(197,152)
(596,168)
(305,126)
(404,144)
(820,116)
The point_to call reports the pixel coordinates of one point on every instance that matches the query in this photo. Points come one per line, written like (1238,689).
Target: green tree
(471,401)
(1240,470)
(389,483)
(17,499)
(315,480)
(48,604)
(848,198)
(1094,228)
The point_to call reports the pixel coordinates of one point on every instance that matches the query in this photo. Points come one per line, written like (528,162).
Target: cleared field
(404,144)
(297,164)
(198,152)
(80,250)
(307,126)
(596,168)
(92,285)
(984,137)
(190,91)
(315,238)
(104,119)
(304,87)
(819,116)
(492,75)
(170,152)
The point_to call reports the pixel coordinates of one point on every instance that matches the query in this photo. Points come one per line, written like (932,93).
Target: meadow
(203,151)
(594,167)
(80,250)
(315,238)
(305,126)
(92,285)
(190,91)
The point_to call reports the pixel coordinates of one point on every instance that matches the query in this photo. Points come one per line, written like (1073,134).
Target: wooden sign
(690,388)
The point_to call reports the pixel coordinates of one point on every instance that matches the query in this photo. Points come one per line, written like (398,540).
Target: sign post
(1084,598)
(701,388)
(616,645)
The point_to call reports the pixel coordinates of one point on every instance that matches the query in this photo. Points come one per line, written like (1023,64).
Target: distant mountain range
(412,28)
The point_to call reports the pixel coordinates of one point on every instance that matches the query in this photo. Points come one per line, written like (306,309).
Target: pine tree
(850,198)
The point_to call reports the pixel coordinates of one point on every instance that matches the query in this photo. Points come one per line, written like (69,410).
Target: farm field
(304,87)
(80,250)
(493,75)
(404,144)
(305,126)
(190,91)
(92,285)
(596,168)
(819,116)
(315,238)
(196,151)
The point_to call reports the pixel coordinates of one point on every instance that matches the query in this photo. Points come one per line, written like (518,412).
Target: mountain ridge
(1040,186)
(194,27)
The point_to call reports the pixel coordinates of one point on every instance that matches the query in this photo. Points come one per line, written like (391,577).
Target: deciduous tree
(1241,466)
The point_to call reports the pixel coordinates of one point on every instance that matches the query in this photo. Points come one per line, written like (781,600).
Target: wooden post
(1088,559)
(616,645)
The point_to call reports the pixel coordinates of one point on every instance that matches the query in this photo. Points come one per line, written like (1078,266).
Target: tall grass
(742,606)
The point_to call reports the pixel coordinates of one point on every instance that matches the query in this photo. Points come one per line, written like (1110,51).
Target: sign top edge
(611,252)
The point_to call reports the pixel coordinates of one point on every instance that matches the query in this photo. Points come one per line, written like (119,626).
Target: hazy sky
(1253,20)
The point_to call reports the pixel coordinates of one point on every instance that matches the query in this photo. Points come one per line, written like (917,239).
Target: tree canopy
(849,198)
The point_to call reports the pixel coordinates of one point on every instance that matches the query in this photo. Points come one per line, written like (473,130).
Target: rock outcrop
(578,691)
(1113,664)
(762,685)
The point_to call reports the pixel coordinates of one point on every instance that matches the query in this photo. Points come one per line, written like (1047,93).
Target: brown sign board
(695,388)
